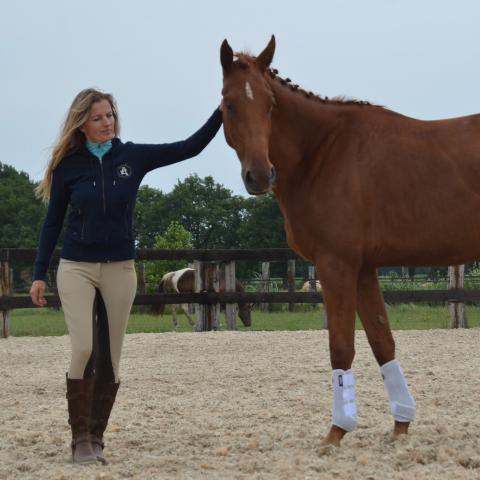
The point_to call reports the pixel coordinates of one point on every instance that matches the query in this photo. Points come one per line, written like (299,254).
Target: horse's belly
(442,245)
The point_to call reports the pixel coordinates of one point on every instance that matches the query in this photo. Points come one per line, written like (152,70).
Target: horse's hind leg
(187,314)
(373,315)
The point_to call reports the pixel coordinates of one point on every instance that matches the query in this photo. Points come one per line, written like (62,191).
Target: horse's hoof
(334,436)
(400,428)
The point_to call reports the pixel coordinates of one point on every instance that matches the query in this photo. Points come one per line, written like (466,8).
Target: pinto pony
(353,181)
(308,287)
(183,281)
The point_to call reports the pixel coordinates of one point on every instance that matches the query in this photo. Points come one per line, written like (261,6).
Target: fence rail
(206,298)
(211,298)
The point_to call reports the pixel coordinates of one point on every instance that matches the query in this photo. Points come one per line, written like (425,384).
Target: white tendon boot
(402,404)
(344,411)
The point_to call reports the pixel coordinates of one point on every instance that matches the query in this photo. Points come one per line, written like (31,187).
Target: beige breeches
(96,300)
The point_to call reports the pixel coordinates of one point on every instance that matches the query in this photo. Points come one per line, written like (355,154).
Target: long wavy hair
(71,138)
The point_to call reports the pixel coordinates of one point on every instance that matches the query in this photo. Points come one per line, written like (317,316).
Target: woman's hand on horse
(37,293)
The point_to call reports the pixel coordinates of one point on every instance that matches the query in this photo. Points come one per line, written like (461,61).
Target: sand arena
(232,405)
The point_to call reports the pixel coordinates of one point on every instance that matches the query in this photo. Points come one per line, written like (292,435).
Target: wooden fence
(207,299)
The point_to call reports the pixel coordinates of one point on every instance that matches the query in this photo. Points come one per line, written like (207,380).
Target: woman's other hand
(37,293)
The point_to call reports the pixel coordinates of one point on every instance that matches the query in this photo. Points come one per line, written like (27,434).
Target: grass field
(46,322)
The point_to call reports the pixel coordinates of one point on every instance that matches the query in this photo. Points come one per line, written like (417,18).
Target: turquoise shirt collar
(99,149)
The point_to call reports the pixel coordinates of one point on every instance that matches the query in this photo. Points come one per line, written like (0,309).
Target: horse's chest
(301,237)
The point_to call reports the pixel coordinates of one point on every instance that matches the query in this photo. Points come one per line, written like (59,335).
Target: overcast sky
(161,61)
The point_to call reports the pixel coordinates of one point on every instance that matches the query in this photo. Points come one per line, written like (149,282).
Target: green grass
(45,322)
(37,322)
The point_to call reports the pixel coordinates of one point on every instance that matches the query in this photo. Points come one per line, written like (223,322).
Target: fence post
(312,281)
(291,282)
(190,306)
(199,286)
(265,284)
(5,290)
(213,284)
(230,286)
(10,276)
(457,309)
(311,278)
(206,279)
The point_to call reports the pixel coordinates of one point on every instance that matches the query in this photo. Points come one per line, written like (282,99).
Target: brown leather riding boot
(103,399)
(79,396)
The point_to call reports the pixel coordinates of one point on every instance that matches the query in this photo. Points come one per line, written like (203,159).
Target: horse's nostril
(259,181)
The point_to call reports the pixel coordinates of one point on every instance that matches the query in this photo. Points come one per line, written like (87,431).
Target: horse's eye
(228,105)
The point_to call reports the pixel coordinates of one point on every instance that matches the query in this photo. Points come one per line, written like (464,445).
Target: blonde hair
(71,138)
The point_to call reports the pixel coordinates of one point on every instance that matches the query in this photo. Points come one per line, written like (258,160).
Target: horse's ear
(226,56)
(265,58)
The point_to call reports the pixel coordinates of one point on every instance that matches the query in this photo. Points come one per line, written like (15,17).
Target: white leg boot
(344,411)
(402,404)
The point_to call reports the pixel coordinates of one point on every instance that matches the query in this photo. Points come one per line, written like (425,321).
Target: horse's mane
(244,60)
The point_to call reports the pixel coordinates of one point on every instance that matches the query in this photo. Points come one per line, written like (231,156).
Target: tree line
(210,212)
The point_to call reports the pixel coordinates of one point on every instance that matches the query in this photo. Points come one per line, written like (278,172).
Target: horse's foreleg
(373,315)
(339,283)
(174,317)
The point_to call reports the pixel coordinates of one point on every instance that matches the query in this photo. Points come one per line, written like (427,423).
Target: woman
(98,177)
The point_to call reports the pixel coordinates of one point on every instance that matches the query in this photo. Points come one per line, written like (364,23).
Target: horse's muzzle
(259,183)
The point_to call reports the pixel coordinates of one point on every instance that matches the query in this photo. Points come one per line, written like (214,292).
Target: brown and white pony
(353,181)
(308,287)
(183,281)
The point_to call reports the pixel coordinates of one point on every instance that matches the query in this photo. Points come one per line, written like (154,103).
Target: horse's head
(247,105)
(244,312)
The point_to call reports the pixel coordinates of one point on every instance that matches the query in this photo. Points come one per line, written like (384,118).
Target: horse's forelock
(243,61)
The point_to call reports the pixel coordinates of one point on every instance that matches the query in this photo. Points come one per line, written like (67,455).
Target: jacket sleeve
(155,156)
(52,225)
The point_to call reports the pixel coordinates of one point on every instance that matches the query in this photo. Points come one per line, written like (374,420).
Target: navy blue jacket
(102,197)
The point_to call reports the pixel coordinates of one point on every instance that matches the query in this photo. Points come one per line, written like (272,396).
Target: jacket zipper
(103,191)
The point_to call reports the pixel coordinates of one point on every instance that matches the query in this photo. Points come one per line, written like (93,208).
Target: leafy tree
(208,210)
(21,214)
(263,224)
(262,227)
(150,218)
(175,237)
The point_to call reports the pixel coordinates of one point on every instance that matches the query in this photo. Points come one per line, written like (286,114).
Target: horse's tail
(159,308)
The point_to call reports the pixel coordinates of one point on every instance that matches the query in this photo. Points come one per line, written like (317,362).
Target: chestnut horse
(353,181)
(183,281)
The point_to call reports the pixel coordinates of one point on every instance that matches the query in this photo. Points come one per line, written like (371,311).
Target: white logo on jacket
(124,170)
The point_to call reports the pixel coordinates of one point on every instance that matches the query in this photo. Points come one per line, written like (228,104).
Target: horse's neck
(299,127)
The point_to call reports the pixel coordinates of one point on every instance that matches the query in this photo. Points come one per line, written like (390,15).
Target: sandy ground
(245,405)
